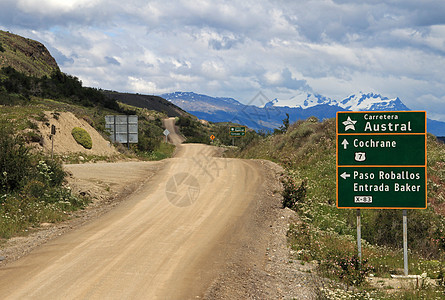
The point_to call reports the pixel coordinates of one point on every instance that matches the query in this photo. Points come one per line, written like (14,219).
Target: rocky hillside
(25,55)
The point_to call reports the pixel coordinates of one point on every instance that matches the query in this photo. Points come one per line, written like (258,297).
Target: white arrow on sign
(345,175)
(345,143)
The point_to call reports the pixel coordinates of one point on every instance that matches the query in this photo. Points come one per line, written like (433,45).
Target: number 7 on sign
(360,156)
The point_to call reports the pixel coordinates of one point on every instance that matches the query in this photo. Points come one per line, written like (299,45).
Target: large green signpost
(381,163)
(381,160)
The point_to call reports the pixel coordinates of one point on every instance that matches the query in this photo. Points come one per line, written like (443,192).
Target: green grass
(165,150)
(19,213)
(325,233)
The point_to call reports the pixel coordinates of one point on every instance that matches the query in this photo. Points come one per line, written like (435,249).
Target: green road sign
(237,131)
(381,149)
(381,187)
(381,160)
(382,122)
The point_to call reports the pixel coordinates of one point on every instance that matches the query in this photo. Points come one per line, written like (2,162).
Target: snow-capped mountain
(371,102)
(270,115)
(301,100)
(355,102)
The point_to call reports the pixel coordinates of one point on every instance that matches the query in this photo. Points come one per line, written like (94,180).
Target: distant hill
(147,101)
(25,55)
(269,115)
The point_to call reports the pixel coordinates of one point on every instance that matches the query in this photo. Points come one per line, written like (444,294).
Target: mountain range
(266,115)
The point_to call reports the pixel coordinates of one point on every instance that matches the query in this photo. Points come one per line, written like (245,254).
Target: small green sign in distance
(381,160)
(237,131)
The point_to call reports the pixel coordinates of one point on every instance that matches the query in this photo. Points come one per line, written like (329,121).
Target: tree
(283,128)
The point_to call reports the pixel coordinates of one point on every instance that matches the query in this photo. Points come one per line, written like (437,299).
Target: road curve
(164,242)
(174,137)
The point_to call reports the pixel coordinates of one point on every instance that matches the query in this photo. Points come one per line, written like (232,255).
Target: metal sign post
(359,235)
(405,243)
(381,163)
(53,133)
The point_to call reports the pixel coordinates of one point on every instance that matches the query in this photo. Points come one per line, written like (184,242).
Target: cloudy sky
(239,48)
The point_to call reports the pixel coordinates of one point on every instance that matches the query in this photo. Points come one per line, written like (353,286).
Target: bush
(31,190)
(15,159)
(58,86)
(82,137)
(1,48)
(193,130)
(292,193)
(50,172)
(349,270)
(34,188)
(149,136)
(33,137)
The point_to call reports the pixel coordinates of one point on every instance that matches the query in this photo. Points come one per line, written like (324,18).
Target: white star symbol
(349,124)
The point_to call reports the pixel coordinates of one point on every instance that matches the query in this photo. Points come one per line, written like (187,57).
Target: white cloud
(48,7)
(238,48)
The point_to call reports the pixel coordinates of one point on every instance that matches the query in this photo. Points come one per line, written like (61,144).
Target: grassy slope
(26,55)
(325,233)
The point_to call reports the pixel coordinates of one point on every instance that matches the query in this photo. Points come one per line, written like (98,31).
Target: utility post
(53,133)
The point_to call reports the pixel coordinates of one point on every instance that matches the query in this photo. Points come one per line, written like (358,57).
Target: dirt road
(174,137)
(170,240)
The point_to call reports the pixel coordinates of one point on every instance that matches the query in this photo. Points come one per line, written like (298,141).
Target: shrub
(56,172)
(33,137)
(349,270)
(1,48)
(193,130)
(292,193)
(34,188)
(15,159)
(82,137)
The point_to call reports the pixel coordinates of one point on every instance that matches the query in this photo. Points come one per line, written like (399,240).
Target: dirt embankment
(63,139)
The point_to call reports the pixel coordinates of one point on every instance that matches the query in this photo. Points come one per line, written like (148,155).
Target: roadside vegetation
(196,131)
(193,130)
(32,185)
(25,98)
(82,137)
(221,132)
(327,235)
